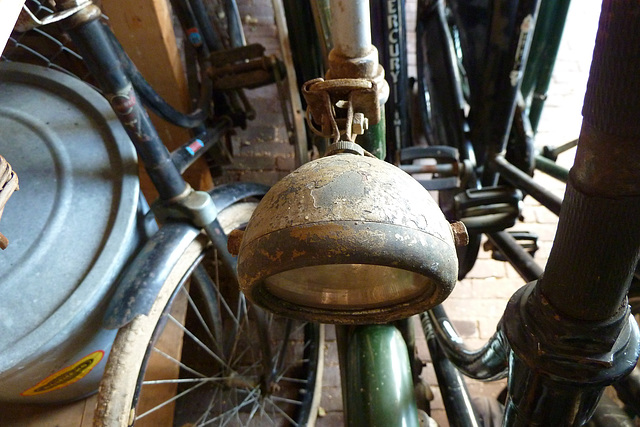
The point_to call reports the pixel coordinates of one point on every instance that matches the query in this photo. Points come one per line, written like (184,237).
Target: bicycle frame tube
(91,39)
(502,75)
(389,36)
(354,56)
(544,49)
(377,387)
(439,76)
(453,389)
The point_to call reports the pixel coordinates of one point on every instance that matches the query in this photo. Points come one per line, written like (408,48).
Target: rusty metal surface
(234,239)
(341,66)
(324,96)
(460,235)
(606,164)
(250,74)
(344,209)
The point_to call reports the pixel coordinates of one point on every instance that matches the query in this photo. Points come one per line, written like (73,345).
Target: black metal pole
(487,363)
(455,396)
(90,37)
(505,61)
(571,333)
(520,259)
(390,39)
(525,182)
(551,168)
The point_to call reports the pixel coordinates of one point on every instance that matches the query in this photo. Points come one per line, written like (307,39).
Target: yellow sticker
(66,376)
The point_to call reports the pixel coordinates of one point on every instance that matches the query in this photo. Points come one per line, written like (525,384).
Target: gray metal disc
(72,223)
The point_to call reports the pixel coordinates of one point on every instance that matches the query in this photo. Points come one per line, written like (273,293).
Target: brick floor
(477,303)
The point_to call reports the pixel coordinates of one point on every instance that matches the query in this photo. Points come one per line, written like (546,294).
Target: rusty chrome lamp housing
(347,239)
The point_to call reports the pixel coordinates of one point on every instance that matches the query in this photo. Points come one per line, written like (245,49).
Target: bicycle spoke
(200,343)
(181,381)
(279,358)
(285,400)
(232,343)
(247,400)
(178,362)
(173,399)
(254,410)
(281,412)
(265,414)
(293,380)
(222,299)
(198,314)
(205,414)
(248,368)
(236,359)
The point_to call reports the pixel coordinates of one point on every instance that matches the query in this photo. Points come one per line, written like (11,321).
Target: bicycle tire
(291,399)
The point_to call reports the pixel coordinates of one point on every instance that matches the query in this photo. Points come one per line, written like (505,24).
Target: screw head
(234,239)
(460,235)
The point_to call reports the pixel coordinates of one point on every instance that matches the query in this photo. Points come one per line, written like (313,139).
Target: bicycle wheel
(205,356)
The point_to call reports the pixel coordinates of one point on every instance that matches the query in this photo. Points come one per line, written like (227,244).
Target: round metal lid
(71,225)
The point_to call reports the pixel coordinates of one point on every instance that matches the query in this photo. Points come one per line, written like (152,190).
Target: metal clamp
(341,106)
(196,206)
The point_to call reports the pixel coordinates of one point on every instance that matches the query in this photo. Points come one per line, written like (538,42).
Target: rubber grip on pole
(612,100)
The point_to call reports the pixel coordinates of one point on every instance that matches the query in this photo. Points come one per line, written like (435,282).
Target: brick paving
(477,302)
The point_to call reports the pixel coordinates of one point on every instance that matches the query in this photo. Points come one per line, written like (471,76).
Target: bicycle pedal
(526,239)
(488,209)
(244,67)
(445,170)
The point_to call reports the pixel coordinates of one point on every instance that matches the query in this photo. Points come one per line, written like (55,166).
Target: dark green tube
(376,377)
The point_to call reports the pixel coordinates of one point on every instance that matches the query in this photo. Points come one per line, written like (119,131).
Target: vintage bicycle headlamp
(347,239)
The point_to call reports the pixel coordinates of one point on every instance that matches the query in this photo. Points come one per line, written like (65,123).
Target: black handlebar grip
(612,101)
(597,243)
(608,153)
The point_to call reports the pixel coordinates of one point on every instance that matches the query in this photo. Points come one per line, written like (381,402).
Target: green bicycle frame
(374,140)
(542,57)
(377,385)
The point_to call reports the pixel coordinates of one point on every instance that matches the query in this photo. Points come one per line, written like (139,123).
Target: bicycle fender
(378,383)
(144,276)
